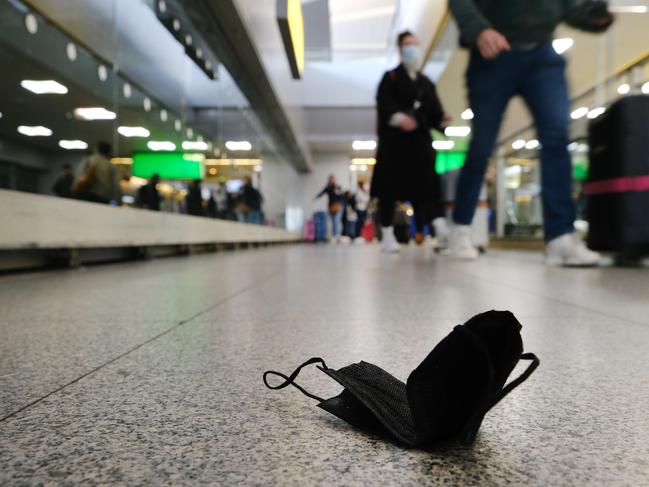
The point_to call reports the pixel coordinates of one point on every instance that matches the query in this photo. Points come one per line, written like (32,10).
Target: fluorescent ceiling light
(133,131)
(580,112)
(364,14)
(623,89)
(164,116)
(562,45)
(201,146)
(73,144)
(238,145)
(364,161)
(44,87)
(364,145)
(596,112)
(290,18)
(518,144)
(532,144)
(443,144)
(629,9)
(573,146)
(35,131)
(467,114)
(457,131)
(583,148)
(645,88)
(94,113)
(161,145)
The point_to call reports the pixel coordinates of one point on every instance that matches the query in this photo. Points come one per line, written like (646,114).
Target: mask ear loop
(290,380)
(470,431)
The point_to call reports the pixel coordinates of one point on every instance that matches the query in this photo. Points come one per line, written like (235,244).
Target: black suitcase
(618,183)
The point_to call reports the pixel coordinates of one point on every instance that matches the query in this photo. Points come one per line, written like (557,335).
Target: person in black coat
(194,199)
(148,196)
(408,108)
(63,185)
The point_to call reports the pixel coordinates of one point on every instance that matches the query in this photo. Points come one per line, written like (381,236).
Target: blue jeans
(336,220)
(538,75)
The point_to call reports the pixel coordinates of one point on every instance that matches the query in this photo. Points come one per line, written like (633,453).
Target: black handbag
(446,396)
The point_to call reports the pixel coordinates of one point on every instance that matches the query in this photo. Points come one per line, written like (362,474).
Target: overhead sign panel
(290,18)
(168,165)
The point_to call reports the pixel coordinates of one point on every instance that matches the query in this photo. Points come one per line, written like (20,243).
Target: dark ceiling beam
(222,27)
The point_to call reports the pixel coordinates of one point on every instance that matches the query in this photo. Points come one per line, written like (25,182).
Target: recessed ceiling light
(200,138)
(596,112)
(623,89)
(94,113)
(580,112)
(0,114)
(178,125)
(147,104)
(34,131)
(161,145)
(31,23)
(532,144)
(190,133)
(188,40)
(133,131)
(102,72)
(562,45)
(443,144)
(127,90)
(44,87)
(457,131)
(628,9)
(467,114)
(199,146)
(73,144)
(364,145)
(176,25)
(238,145)
(164,116)
(162,6)
(645,88)
(71,51)
(199,53)
(518,144)
(208,65)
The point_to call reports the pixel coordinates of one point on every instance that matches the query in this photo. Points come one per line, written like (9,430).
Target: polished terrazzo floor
(150,373)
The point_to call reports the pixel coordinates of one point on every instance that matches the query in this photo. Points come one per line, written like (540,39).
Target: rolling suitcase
(618,183)
(309,230)
(320,220)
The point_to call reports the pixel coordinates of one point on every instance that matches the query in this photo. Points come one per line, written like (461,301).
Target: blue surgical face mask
(411,54)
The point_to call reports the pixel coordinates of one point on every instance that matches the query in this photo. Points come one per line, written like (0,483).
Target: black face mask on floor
(447,396)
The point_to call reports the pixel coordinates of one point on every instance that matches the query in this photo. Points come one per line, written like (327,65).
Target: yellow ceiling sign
(291,25)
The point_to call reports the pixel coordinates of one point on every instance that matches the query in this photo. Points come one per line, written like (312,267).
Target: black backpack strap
(290,380)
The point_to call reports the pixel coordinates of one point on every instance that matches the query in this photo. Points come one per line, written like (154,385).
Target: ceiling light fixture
(164,116)
(624,89)
(457,131)
(580,112)
(147,104)
(190,133)
(467,114)
(31,23)
(71,51)
(190,145)
(238,145)
(443,144)
(133,131)
(645,88)
(34,131)
(44,87)
(532,144)
(94,113)
(364,145)
(562,45)
(127,90)
(518,144)
(157,145)
(102,72)
(290,18)
(596,112)
(628,9)
(73,144)
(178,125)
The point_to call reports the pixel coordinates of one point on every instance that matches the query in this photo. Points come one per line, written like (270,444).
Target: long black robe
(405,168)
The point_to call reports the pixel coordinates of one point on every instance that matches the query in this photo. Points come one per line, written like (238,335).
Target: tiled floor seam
(143,344)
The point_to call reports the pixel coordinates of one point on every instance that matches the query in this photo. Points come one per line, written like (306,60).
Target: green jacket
(523,22)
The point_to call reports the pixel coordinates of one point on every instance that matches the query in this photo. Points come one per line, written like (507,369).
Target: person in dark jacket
(250,203)
(512,54)
(194,199)
(63,185)
(408,108)
(148,196)
(335,198)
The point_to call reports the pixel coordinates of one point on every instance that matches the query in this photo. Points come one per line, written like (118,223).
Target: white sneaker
(389,244)
(441,235)
(460,245)
(569,250)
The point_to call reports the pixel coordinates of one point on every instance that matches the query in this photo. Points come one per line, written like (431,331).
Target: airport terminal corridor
(150,373)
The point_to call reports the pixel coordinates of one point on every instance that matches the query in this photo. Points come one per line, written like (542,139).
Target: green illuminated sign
(449,161)
(580,169)
(169,165)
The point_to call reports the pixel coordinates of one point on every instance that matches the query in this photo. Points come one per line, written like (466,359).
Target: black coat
(405,168)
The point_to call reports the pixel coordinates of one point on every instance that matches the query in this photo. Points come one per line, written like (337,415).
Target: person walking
(362,198)
(194,199)
(512,54)
(408,108)
(63,185)
(97,183)
(148,196)
(335,197)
